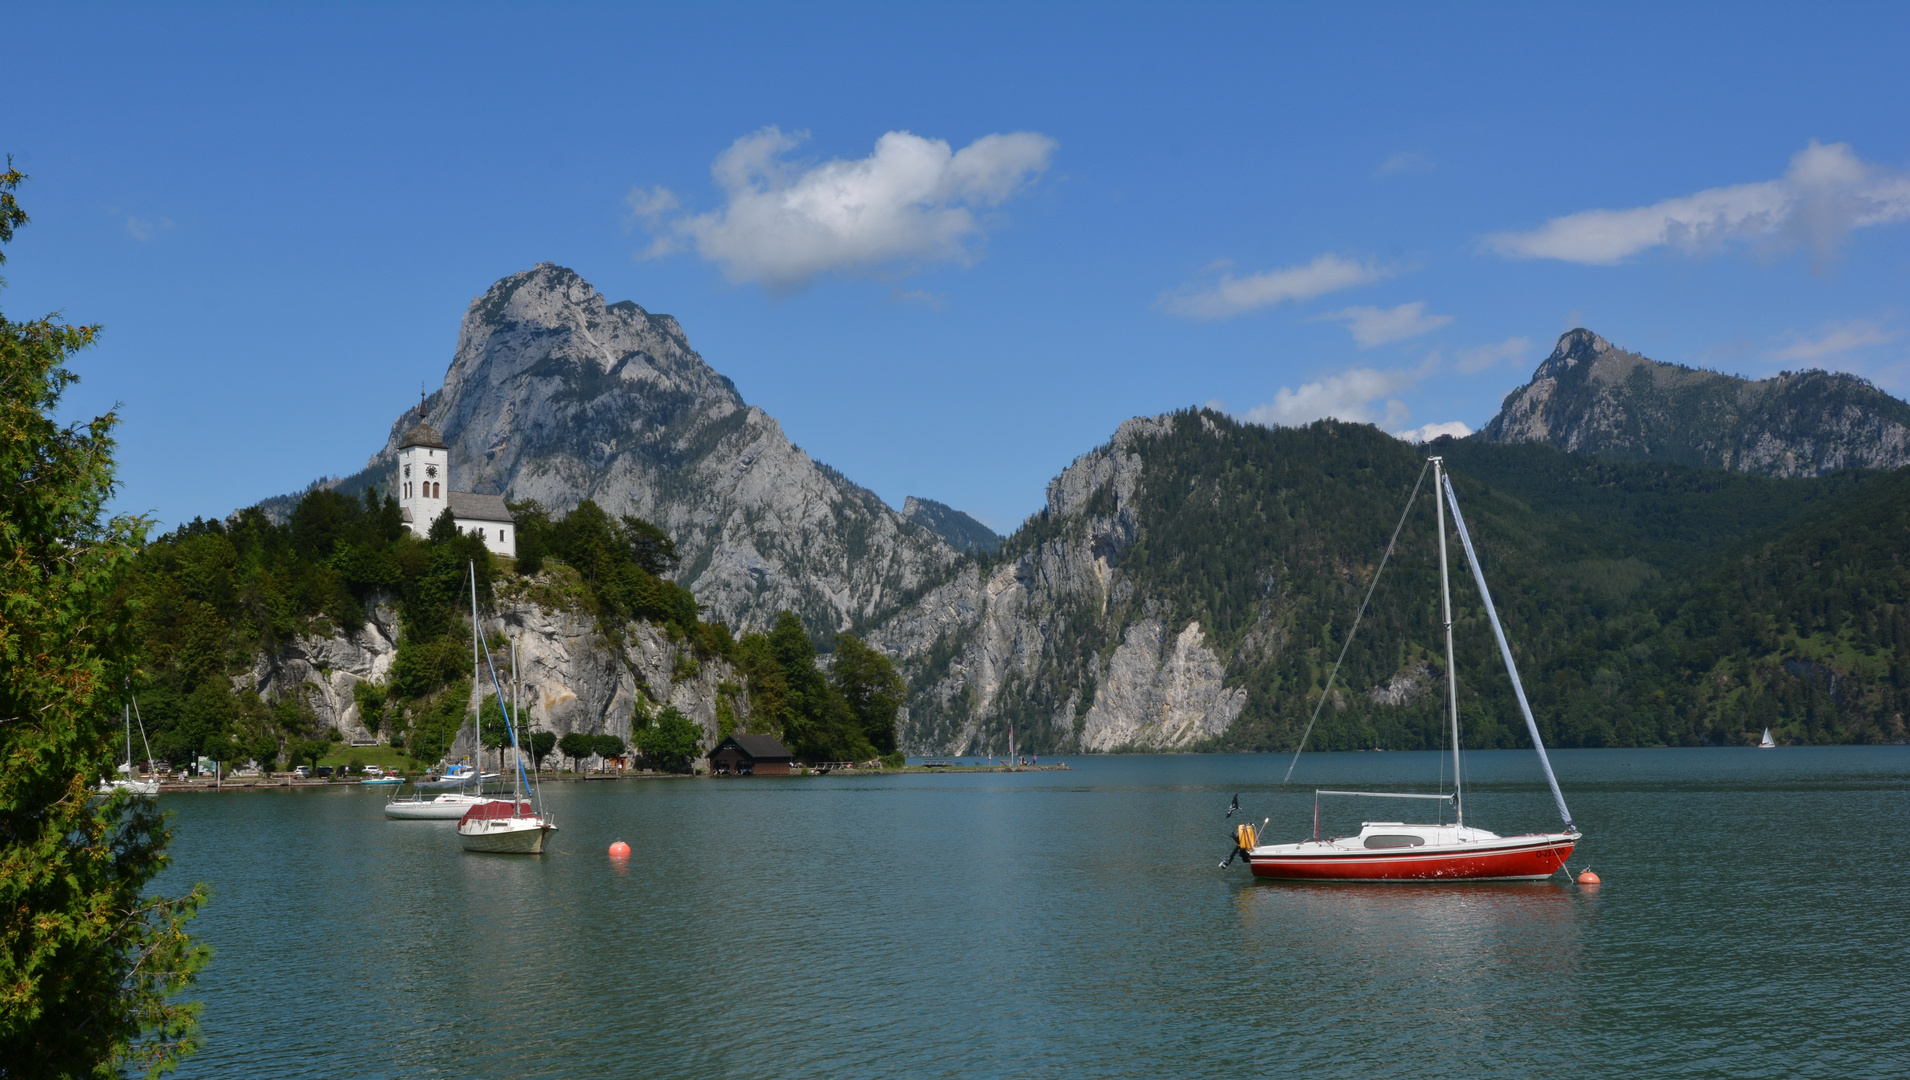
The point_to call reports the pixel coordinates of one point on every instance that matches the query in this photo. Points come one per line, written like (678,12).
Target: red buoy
(621,850)
(1588,878)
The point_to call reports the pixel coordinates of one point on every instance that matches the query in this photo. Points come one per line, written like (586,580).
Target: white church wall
(499,538)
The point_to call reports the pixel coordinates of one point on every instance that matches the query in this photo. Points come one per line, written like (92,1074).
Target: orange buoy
(1588,878)
(621,850)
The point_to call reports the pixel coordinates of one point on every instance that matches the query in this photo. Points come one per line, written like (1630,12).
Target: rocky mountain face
(1593,397)
(573,678)
(556,395)
(1054,639)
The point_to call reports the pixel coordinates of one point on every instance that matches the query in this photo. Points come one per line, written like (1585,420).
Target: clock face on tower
(431,470)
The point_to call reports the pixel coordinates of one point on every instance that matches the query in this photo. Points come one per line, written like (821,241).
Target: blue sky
(952,247)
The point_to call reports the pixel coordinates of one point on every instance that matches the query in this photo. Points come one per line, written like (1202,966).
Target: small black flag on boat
(1235,808)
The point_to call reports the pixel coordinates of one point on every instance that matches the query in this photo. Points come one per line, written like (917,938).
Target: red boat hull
(1512,859)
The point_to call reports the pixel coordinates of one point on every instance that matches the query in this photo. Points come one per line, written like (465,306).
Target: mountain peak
(1574,347)
(1593,397)
(555,395)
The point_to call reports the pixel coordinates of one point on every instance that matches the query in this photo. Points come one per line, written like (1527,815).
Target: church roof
(469,506)
(422,435)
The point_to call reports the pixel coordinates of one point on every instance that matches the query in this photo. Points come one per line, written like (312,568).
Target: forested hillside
(1649,604)
(211,597)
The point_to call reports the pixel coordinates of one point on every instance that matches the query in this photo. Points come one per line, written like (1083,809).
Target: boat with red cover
(1396,850)
(512,826)
(505,826)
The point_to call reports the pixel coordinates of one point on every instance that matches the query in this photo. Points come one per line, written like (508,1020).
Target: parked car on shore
(302,772)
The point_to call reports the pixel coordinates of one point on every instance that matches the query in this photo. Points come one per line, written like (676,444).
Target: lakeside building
(424,480)
(751,755)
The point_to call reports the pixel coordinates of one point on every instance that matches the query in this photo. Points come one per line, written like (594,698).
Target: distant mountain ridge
(1189,585)
(556,395)
(962,532)
(1592,397)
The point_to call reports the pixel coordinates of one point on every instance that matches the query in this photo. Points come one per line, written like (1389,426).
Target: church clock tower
(424,477)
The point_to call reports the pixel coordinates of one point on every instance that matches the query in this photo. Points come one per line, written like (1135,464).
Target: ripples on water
(1070,924)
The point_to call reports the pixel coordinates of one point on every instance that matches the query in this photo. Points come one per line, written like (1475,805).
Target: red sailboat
(1397,850)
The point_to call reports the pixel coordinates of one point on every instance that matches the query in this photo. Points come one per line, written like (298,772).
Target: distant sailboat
(131,782)
(1767,743)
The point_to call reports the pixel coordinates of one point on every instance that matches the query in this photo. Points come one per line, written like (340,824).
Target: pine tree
(89,963)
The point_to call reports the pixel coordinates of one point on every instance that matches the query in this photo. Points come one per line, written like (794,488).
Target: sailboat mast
(517,764)
(1452,672)
(477,691)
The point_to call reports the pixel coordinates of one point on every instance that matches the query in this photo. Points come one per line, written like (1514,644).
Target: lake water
(1752,923)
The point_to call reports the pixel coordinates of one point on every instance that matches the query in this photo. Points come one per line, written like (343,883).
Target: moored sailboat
(131,783)
(1399,851)
(513,826)
(1767,743)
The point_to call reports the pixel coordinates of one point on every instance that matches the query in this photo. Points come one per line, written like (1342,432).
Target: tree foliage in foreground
(90,964)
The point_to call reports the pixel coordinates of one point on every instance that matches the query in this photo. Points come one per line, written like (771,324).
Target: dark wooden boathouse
(751,755)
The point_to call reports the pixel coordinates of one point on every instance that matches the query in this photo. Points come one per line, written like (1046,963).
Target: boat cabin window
(1389,840)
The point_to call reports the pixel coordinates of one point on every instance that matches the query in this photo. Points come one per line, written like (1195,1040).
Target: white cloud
(1834,338)
(141,229)
(1481,357)
(1827,192)
(1358,395)
(911,200)
(1426,433)
(1376,326)
(1232,296)
(1406,161)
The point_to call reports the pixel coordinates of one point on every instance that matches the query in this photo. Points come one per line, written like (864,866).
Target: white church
(424,480)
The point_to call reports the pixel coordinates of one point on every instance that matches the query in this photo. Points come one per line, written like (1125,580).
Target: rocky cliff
(1593,397)
(573,678)
(556,395)
(1053,639)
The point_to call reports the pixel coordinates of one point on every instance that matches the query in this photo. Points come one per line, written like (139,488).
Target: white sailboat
(1767,743)
(131,782)
(511,826)
(466,781)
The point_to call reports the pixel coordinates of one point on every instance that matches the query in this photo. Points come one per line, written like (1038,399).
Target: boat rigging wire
(1505,650)
(1328,691)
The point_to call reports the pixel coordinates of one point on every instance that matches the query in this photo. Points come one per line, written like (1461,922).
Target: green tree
(868,682)
(542,743)
(310,750)
(533,535)
(576,746)
(493,732)
(90,965)
(608,746)
(671,743)
(789,697)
